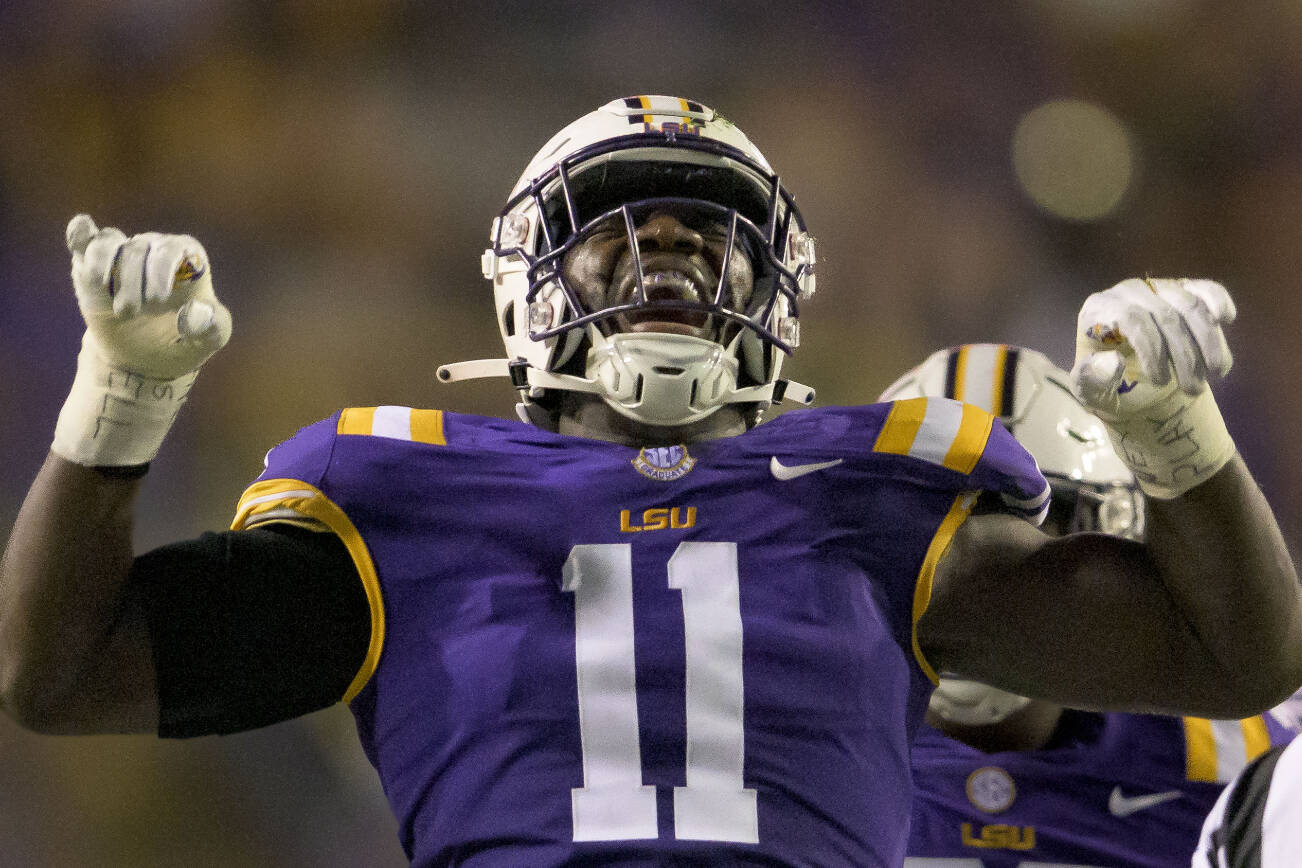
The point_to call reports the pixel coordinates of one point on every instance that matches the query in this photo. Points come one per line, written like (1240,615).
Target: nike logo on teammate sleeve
(1120,805)
(783,472)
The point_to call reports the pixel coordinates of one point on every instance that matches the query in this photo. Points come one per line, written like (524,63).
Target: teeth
(681,284)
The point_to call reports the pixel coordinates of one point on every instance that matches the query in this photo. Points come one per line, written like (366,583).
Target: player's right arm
(68,626)
(74,646)
(226,632)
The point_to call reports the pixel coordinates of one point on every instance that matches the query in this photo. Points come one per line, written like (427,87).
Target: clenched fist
(1145,350)
(152,320)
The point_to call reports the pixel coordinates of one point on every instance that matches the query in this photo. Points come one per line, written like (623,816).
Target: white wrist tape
(113,416)
(1173,444)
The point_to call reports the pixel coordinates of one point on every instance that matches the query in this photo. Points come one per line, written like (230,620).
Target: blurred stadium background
(971,170)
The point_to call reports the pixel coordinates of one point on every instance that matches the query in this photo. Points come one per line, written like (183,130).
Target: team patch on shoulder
(664,463)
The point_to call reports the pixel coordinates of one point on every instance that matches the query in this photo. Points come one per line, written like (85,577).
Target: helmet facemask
(600,186)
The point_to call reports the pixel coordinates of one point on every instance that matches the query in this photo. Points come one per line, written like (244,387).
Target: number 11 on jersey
(613,803)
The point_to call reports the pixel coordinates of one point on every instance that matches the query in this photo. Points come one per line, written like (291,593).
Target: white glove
(151,321)
(1144,351)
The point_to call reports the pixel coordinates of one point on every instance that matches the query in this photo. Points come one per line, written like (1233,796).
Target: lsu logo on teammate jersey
(999,836)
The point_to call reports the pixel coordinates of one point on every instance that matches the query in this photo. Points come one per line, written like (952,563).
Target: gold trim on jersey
(901,426)
(356,420)
(940,542)
(278,494)
(939,431)
(1217,750)
(970,441)
(1256,738)
(398,423)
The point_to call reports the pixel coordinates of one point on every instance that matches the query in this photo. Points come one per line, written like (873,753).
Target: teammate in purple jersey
(637,627)
(1003,780)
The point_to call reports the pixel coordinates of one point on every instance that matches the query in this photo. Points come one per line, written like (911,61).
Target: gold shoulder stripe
(307,500)
(356,420)
(901,426)
(1217,750)
(958,513)
(970,442)
(1200,749)
(1256,738)
(940,431)
(397,423)
(427,427)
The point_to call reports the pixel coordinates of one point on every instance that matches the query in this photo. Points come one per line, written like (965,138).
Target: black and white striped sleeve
(1257,822)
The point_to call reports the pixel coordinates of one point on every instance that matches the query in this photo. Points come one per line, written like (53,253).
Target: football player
(1002,780)
(639,628)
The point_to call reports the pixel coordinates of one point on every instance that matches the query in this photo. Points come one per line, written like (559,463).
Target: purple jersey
(1116,789)
(586,653)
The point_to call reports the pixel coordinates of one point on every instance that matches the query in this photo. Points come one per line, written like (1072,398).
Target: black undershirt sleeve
(251,627)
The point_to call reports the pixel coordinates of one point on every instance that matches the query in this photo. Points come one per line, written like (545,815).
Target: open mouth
(666,285)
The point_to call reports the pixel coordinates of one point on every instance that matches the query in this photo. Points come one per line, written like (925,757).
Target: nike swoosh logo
(1120,805)
(784,473)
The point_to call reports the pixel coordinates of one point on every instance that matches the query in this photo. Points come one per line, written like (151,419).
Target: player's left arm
(1203,617)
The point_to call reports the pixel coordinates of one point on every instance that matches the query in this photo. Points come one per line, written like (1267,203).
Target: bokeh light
(1073,158)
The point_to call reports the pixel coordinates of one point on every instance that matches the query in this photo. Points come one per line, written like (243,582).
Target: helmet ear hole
(508,319)
(754,358)
(565,349)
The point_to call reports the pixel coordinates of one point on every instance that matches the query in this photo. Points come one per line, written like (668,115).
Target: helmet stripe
(960,373)
(638,102)
(983,374)
(1006,399)
(998,365)
(951,373)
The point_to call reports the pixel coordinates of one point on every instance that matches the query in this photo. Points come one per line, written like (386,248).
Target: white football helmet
(625,160)
(1092,490)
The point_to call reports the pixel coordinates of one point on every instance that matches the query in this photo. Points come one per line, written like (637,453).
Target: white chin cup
(971,703)
(659,378)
